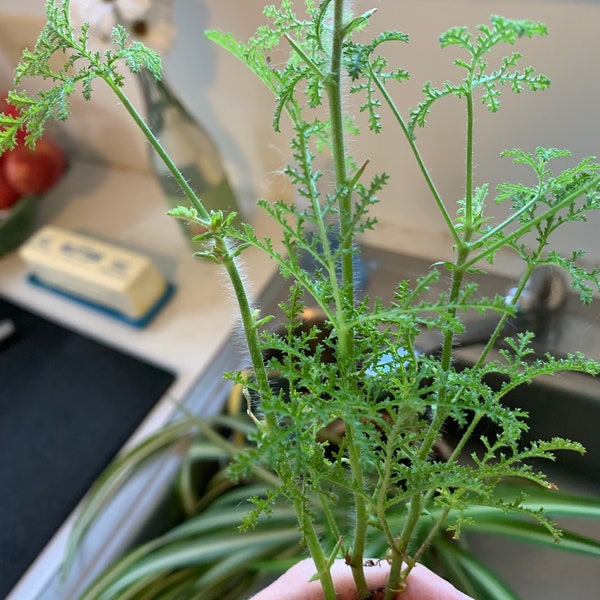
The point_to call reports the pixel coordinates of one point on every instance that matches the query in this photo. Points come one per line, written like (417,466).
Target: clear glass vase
(192,149)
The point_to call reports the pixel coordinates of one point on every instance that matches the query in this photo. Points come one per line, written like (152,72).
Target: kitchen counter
(127,208)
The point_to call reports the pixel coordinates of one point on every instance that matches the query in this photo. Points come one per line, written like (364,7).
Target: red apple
(34,171)
(7,108)
(8,194)
(11,110)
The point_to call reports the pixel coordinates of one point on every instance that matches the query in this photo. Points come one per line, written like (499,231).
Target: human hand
(295,584)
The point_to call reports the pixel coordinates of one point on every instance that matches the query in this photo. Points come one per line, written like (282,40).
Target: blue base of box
(138,322)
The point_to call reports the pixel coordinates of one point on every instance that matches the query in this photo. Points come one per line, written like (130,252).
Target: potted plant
(377,488)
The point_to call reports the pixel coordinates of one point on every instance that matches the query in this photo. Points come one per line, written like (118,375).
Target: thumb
(296,584)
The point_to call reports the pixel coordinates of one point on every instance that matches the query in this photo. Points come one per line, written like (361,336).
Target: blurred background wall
(237,110)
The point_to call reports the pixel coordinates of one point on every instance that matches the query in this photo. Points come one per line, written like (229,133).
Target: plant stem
(250,329)
(328,255)
(431,534)
(439,415)
(225,252)
(462,255)
(361,517)
(417,155)
(311,539)
(399,554)
(515,297)
(334,93)
(332,84)
(469,172)
(185,186)
(505,240)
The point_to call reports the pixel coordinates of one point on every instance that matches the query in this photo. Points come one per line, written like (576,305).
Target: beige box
(112,277)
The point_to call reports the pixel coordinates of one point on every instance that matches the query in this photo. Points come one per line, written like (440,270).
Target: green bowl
(17,224)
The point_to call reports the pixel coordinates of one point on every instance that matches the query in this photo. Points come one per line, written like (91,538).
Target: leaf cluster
(477,47)
(79,67)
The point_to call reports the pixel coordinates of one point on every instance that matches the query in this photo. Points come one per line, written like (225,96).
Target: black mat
(67,405)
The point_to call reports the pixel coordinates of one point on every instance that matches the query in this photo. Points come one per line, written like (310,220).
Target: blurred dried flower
(149,21)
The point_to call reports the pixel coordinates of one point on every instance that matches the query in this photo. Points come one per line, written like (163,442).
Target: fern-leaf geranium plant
(391,399)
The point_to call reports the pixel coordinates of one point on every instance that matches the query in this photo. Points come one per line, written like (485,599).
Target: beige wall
(238,110)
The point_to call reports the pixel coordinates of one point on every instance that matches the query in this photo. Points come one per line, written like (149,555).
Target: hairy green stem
(250,329)
(417,155)
(466,436)
(329,515)
(431,534)
(504,318)
(395,579)
(400,556)
(333,89)
(345,349)
(311,538)
(457,279)
(469,172)
(329,259)
(439,414)
(357,553)
(168,161)
(226,253)
(397,546)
